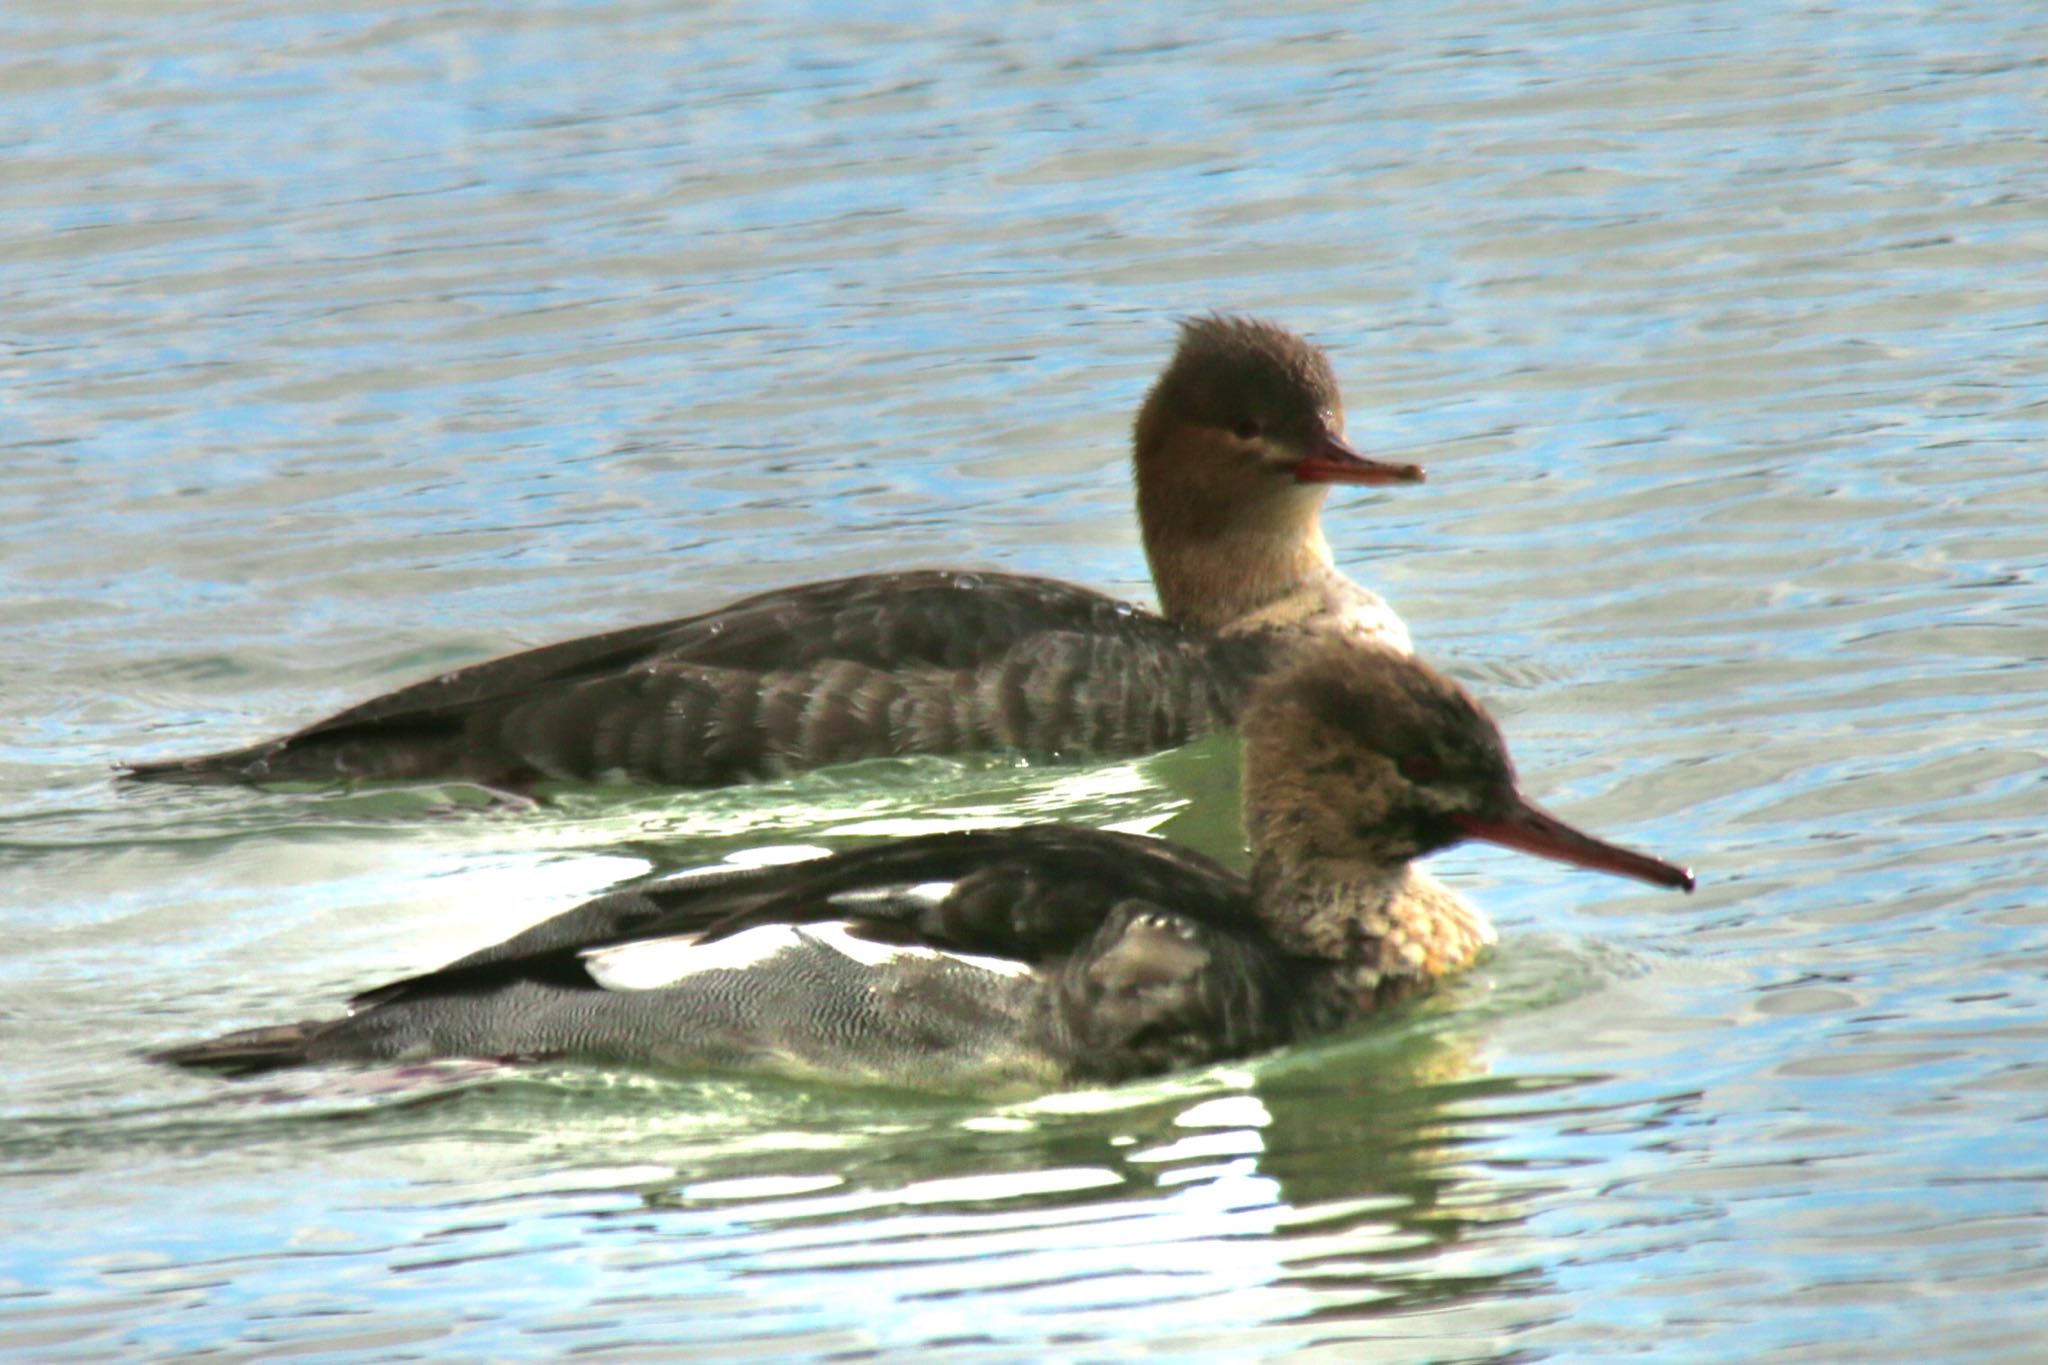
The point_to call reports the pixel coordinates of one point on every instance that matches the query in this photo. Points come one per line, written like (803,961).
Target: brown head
(1362,755)
(1232,452)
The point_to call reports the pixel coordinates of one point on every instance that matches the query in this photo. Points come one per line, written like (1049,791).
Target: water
(344,344)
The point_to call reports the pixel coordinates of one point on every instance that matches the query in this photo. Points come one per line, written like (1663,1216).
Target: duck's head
(1360,754)
(1246,419)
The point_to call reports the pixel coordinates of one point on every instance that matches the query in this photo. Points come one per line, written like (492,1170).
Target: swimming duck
(1233,451)
(1037,956)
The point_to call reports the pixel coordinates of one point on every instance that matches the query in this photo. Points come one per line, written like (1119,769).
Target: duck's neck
(1386,921)
(1261,568)
(1214,572)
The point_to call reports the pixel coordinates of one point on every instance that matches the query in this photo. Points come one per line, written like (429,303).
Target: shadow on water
(1344,1184)
(1190,794)
(1332,1177)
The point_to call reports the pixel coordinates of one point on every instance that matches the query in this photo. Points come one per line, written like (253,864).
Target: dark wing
(1156,990)
(1031,894)
(933,618)
(923,662)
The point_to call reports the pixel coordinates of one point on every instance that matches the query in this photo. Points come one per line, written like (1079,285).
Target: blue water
(339,345)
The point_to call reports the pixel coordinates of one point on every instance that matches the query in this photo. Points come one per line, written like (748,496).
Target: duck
(1233,452)
(1032,957)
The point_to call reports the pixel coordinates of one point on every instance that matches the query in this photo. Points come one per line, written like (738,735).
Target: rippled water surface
(347,343)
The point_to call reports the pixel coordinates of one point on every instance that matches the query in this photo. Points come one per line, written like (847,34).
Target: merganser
(1233,451)
(1035,956)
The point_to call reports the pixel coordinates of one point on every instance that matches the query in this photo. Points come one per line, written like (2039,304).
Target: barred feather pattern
(884,665)
(1146,959)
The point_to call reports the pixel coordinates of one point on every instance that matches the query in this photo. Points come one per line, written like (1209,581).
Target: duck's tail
(232,765)
(249,1051)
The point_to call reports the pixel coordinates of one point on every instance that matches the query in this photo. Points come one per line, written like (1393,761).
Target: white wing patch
(923,893)
(653,963)
(865,951)
(869,953)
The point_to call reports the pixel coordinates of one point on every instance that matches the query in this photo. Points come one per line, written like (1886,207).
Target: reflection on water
(1331,1186)
(347,346)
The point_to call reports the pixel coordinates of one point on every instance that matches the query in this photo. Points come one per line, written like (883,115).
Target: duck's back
(871,666)
(803,1001)
(985,961)
(1152,992)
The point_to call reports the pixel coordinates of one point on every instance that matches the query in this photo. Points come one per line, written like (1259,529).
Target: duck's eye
(1247,430)
(1419,768)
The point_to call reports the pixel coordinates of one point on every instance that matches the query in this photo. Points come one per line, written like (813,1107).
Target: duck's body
(1038,956)
(1233,451)
(928,661)
(1033,957)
